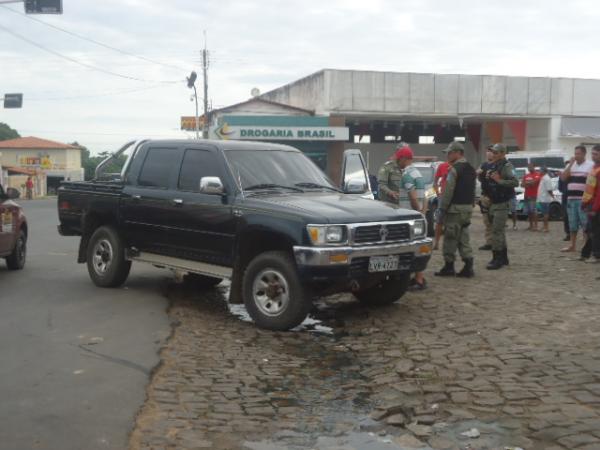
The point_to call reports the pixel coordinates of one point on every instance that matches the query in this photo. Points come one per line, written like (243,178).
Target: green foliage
(7,132)
(89,162)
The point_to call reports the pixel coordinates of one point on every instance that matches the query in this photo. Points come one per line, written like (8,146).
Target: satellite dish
(255,92)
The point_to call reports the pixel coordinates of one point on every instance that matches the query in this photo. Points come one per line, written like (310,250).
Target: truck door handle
(177,202)
(136,197)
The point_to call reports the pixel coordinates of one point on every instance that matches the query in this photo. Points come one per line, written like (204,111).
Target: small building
(262,120)
(48,162)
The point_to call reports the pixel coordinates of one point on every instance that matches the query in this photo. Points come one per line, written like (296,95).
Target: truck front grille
(372,234)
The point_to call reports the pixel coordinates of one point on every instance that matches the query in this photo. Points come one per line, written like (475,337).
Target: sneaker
(594,260)
(418,286)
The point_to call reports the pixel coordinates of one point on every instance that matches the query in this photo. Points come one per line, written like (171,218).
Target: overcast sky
(263,44)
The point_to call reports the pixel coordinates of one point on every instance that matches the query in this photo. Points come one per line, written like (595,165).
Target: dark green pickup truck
(262,215)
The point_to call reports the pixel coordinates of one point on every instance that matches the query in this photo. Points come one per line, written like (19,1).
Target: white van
(552,159)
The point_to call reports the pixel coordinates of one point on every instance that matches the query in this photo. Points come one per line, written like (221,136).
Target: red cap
(404,152)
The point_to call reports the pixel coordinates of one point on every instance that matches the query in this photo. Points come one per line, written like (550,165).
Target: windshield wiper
(271,186)
(308,184)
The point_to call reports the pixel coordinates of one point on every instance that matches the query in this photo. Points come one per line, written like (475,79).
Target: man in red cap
(402,184)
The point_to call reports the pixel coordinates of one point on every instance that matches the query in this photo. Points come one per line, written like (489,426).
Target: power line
(97,95)
(93,41)
(75,61)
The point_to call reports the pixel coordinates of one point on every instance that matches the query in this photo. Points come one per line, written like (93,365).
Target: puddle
(310,324)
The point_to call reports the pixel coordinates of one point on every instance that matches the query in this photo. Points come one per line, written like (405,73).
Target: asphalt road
(75,359)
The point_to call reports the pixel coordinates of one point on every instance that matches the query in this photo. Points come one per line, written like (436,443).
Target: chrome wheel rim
(270,292)
(102,256)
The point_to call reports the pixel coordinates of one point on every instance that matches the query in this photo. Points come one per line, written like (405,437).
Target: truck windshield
(276,168)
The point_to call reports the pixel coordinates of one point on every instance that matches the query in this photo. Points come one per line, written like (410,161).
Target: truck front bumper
(336,263)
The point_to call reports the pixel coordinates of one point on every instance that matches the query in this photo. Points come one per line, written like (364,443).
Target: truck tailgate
(75,199)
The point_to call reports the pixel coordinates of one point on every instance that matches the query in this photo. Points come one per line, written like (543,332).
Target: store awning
(580,127)
(19,171)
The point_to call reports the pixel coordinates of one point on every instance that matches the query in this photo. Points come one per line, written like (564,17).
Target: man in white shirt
(545,196)
(575,175)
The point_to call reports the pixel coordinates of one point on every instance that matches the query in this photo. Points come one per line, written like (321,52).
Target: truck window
(157,168)
(197,164)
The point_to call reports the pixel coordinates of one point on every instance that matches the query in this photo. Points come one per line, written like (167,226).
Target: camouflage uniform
(457,219)
(500,194)
(390,180)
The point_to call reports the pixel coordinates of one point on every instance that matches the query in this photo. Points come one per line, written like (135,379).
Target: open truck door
(355,176)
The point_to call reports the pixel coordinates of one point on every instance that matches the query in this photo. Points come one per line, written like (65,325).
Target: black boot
(485,247)
(467,270)
(447,270)
(505,256)
(497,262)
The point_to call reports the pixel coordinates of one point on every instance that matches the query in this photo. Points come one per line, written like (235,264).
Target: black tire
(105,257)
(430,223)
(556,211)
(201,281)
(16,260)
(386,292)
(287,305)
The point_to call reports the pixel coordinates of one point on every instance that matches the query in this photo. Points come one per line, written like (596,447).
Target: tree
(7,132)
(89,163)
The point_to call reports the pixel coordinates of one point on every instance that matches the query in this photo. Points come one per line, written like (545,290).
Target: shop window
(392,138)
(426,139)
(460,138)
(364,139)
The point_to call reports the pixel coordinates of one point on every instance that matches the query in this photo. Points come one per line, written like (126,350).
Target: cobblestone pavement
(512,356)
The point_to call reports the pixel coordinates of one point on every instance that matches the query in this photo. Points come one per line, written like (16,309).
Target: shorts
(545,208)
(577,217)
(437,216)
(530,206)
(512,204)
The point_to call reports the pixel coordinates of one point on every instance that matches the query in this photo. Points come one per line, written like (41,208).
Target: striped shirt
(577,179)
(411,181)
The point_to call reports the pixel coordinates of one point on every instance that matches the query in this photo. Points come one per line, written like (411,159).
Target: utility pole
(205,75)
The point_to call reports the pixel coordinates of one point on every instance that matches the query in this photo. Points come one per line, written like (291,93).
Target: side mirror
(355,186)
(12,193)
(211,186)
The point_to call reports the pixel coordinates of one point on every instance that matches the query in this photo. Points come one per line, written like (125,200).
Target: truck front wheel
(273,294)
(386,292)
(106,260)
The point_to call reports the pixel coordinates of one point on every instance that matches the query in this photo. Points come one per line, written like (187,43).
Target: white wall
(339,91)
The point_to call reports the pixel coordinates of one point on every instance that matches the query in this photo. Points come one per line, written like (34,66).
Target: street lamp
(191,80)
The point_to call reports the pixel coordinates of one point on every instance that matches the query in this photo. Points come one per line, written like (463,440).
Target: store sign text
(283,133)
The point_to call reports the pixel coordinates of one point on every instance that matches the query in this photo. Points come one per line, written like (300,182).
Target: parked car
(556,211)
(262,215)
(13,230)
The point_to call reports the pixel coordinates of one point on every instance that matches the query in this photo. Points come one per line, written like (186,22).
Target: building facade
(429,110)
(48,162)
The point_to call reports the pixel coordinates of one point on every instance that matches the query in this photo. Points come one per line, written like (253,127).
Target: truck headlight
(419,228)
(327,234)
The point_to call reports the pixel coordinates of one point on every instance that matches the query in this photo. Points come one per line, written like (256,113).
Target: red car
(13,230)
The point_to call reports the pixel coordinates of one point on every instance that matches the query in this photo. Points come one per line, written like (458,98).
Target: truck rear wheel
(386,292)
(273,294)
(106,261)
(16,260)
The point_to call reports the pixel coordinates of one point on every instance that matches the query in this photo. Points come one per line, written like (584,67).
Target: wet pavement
(507,360)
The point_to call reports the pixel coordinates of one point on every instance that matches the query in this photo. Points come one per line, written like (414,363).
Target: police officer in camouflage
(456,208)
(389,180)
(502,184)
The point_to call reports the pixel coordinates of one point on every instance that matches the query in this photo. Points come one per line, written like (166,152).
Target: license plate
(383,263)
